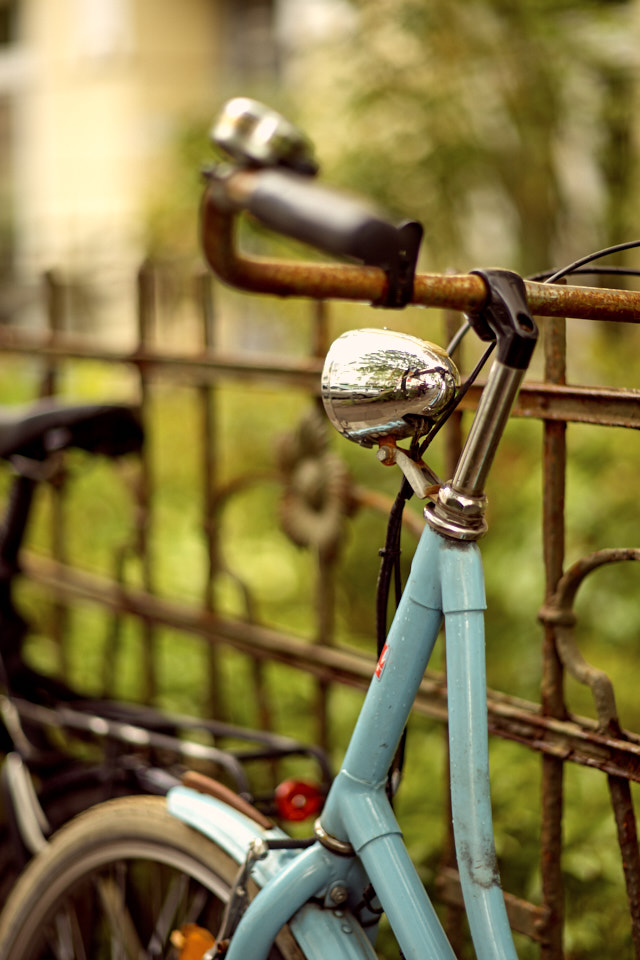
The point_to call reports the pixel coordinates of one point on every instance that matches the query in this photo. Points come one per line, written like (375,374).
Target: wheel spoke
(198,901)
(176,910)
(125,944)
(167,915)
(67,942)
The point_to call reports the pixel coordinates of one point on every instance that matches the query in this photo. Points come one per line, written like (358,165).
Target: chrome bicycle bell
(377,384)
(253,133)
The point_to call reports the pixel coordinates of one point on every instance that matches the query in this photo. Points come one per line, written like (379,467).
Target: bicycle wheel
(61,801)
(117,881)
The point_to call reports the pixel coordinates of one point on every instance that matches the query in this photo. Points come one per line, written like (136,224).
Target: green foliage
(508,129)
(498,124)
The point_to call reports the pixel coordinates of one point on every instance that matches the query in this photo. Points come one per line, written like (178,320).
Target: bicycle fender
(230,829)
(314,928)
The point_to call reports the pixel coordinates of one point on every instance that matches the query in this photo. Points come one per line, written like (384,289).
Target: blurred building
(92,95)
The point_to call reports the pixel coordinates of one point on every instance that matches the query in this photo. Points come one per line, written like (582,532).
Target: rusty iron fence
(317,499)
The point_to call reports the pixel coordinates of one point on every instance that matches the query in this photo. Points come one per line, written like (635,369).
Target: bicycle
(65,752)
(205,875)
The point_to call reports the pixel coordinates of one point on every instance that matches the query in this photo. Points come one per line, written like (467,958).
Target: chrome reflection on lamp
(377,383)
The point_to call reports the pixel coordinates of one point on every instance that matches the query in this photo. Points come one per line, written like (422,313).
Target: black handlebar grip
(299,207)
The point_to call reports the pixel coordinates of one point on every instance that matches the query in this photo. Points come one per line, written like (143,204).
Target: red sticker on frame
(382,661)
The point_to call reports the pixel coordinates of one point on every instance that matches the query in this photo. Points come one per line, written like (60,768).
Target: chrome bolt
(386,454)
(338,893)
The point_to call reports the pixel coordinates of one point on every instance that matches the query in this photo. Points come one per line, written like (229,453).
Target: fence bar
(577,740)
(209,474)
(55,315)
(552,698)
(146,316)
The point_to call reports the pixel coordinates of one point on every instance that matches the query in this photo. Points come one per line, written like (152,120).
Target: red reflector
(298,800)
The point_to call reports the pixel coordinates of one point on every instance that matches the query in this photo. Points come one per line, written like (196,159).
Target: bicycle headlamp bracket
(505,317)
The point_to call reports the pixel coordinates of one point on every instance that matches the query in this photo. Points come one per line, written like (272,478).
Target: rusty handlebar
(225,197)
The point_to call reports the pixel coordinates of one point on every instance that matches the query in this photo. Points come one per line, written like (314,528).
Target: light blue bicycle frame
(446,581)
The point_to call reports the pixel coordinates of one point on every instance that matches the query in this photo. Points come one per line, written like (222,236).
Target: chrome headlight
(377,383)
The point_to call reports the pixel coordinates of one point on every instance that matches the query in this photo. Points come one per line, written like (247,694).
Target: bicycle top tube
(222,201)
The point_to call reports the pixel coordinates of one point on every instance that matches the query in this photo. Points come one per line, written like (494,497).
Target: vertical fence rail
(209,483)
(554,470)
(146,315)
(55,299)
(325,581)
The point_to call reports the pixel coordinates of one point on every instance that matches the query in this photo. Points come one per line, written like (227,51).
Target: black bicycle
(64,752)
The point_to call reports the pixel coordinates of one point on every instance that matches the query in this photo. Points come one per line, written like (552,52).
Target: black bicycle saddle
(37,432)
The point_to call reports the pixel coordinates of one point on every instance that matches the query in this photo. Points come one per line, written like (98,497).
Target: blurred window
(103,28)
(250,47)
(8,22)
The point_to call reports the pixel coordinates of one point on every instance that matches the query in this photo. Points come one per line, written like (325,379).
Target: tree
(505,127)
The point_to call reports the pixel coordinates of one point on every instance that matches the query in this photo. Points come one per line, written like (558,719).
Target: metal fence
(317,499)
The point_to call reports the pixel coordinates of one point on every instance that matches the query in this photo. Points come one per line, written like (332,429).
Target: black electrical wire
(606,252)
(390,569)
(545,275)
(454,343)
(390,565)
(460,393)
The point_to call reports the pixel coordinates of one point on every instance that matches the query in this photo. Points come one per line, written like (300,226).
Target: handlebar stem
(488,426)
(460,507)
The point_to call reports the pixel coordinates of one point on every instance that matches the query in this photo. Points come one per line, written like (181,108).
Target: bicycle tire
(60,803)
(123,874)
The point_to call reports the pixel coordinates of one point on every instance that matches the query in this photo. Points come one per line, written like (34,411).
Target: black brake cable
(462,390)
(390,565)
(455,341)
(390,569)
(391,552)
(605,252)
(545,275)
